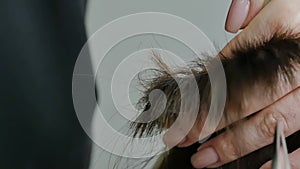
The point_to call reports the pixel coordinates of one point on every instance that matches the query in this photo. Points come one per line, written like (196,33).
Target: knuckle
(267,126)
(268,123)
(229,149)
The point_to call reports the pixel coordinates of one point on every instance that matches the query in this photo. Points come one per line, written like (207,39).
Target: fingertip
(204,157)
(237,15)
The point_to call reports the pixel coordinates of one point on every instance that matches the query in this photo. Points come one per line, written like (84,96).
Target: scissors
(280,159)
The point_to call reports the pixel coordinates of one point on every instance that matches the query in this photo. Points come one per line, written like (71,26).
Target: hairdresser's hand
(242,12)
(252,134)
(261,19)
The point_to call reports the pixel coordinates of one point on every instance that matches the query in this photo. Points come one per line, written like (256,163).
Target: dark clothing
(39,43)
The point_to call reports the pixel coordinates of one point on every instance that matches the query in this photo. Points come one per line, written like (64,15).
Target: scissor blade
(280,159)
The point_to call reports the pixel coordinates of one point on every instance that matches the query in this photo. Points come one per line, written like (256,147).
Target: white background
(208,15)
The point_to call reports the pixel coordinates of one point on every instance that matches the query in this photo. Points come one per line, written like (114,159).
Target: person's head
(250,71)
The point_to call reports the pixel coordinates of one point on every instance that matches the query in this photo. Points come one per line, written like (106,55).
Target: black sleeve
(39,43)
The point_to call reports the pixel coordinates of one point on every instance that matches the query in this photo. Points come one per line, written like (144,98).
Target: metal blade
(280,159)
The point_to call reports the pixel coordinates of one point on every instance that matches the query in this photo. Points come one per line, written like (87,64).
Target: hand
(261,22)
(252,134)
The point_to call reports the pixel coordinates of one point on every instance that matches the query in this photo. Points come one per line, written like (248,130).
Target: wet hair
(249,68)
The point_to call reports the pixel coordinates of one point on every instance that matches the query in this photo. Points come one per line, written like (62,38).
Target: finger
(293,157)
(250,135)
(237,15)
(255,7)
(252,104)
(264,24)
(241,12)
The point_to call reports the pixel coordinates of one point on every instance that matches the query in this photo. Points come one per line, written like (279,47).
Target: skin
(251,82)
(261,23)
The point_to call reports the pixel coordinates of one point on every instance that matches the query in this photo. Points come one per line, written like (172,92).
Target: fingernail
(204,158)
(205,139)
(237,15)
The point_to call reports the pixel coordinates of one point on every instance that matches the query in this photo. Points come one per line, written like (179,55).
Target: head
(249,70)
